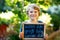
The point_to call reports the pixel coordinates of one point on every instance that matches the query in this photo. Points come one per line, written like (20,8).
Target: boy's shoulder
(27,21)
(40,21)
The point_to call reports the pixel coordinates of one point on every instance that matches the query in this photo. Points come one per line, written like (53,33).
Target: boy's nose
(33,13)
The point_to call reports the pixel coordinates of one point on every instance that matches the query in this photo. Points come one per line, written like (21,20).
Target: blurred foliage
(55,21)
(13,36)
(15,6)
(54,11)
(8,18)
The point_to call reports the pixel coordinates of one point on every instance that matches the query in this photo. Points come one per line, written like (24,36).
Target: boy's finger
(21,35)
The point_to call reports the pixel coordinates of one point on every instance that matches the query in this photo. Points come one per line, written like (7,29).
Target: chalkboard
(33,30)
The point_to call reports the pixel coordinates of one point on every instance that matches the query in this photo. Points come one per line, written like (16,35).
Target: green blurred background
(13,12)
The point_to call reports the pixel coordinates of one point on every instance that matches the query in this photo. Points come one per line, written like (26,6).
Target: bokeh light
(45,18)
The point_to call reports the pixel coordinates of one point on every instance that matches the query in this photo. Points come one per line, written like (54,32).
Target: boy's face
(33,14)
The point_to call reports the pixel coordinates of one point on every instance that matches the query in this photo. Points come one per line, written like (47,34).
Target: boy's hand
(21,35)
(46,36)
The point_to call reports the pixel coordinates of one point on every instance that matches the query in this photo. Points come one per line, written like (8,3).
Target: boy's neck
(33,21)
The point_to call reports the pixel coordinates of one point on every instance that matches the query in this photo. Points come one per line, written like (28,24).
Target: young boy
(33,12)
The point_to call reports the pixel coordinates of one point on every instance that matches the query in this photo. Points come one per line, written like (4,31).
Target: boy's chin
(33,18)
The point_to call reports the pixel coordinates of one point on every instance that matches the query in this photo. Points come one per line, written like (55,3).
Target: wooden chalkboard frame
(36,23)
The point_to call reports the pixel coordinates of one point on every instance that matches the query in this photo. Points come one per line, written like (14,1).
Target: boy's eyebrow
(36,8)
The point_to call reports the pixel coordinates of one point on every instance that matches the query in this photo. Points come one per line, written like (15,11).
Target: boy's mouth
(33,15)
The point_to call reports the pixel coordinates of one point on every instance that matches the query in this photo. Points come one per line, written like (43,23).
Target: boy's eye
(35,11)
(31,11)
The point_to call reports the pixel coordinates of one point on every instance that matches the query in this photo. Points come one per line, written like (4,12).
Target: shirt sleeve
(20,27)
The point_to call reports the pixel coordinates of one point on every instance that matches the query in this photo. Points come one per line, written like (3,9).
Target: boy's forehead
(31,9)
